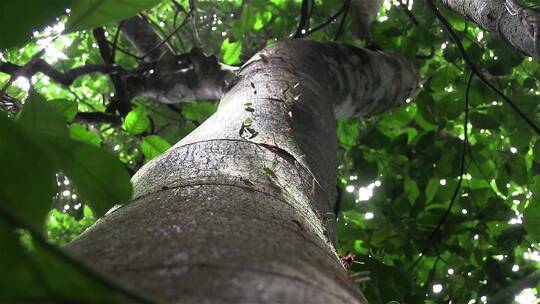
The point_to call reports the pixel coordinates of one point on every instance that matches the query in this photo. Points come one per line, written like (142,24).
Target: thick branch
(121,101)
(505,18)
(98,117)
(66,78)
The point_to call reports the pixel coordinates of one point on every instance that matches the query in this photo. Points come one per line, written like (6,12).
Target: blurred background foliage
(398,171)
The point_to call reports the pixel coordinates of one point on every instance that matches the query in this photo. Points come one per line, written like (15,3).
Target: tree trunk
(505,18)
(241,210)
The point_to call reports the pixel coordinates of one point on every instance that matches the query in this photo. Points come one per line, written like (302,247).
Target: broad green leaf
(18,18)
(137,121)
(41,119)
(375,139)
(347,131)
(431,189)
(199,111)
(27,268)
(26,174)
(89,14)
(153,146)
(98,175)
(81,133)
(484,121)
(411,188)
(261,19)
(230,51)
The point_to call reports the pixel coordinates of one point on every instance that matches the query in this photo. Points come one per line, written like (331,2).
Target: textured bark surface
(240,210)
(519,29)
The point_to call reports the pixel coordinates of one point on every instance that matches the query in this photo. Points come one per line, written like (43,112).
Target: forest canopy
(438,200)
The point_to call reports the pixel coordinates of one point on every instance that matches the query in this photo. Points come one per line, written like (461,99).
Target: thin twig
(328,21)
(408,13)
(115,40)
(305,15)
(166,39)
(342,23)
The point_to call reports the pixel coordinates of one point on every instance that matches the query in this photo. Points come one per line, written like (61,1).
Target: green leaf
(387,283)
(261,19)
(347,131)
(81,133)
(27,264)
(532,212)
(98,175)
(87,212)
(412,190)
(40,118)
(230,51)
(18,18)
(89,14)
(199,111)
(153,146)
(26,174)
(431,189)
(483,121)
(137,121)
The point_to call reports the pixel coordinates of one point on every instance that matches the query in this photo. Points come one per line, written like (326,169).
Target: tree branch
(66,78)
(98,117)
(121,100)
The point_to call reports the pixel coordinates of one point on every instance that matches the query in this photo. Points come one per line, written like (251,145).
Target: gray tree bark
(507,19)
(241,210)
